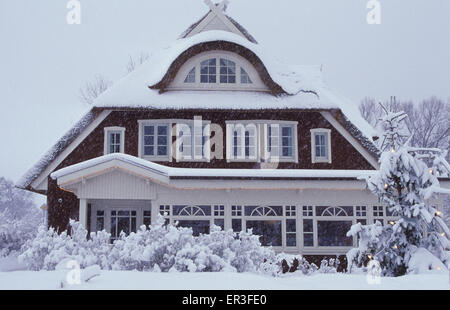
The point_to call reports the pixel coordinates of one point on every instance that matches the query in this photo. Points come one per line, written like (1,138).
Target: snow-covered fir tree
(404,183)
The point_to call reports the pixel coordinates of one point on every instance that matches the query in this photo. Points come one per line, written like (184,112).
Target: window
(334,233)
(244,142)
(147,218)
(308,233)
(280,141)
(122,221)
(193,141)
(307,211)
(236,210)
(361,211)
(227,71)
(190,78)
(155,138)
(321,145)
(268,230)
(100,220)
(208,71)
(291,235)
(114,140)
(245,78)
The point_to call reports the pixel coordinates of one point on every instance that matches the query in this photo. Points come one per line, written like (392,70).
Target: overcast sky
(44,61)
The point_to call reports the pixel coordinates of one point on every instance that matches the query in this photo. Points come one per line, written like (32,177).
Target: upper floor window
(281,141)
(114,140)
(191,143)
(154,138)
(242,142)
(220,70)
(321,145)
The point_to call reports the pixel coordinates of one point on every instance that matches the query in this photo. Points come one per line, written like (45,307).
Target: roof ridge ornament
(217,7)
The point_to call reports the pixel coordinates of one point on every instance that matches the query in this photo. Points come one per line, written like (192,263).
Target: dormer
(217,70)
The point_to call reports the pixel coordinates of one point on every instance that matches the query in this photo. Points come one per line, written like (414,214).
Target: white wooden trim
(107,130)
(215,12)
(40,182)
(83,213)
(371,159)
(314,158)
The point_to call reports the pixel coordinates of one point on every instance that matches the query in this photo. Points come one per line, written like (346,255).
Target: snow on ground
(50,280)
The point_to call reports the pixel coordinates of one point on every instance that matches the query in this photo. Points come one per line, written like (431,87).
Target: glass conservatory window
(191,210)
(236,210)
(308,232)
(334,233)
(291,235)
(227,71)
(190,78)
(268,230)
(198,227)
(245,78)
(208,71)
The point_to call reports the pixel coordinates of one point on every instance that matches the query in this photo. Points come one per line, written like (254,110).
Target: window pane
(308,240)
(162,150)
(220,223)
(269,231)
(245,78)
(149,130)
(291,240)
(333,233)
(100,225)
(190,78)
(149,140)
(290,225)
(149,151)
(198,227)
(236,224)
(308,225)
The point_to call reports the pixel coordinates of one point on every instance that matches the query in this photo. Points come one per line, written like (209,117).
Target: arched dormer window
(217,70)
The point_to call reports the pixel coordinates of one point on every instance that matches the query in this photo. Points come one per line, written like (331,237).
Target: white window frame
(280,158)
(327,133)
(231,126)
(206,132)
(179,81)
(110,130)
(156,122)
(173,148)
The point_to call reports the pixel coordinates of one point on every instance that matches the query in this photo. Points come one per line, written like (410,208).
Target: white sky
(44,61)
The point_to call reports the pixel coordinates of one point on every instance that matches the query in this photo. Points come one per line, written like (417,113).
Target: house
(211,130)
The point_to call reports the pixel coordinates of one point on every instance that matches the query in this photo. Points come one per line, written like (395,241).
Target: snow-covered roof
(55,150)
(303,87)
(172,172)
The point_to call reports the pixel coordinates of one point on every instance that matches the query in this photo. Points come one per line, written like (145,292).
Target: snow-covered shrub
(49,248)
(46,250)
(423,261)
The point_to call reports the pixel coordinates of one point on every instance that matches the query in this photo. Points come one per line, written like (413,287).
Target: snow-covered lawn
(49,280)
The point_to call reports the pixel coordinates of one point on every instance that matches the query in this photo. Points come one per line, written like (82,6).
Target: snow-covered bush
(49,248)
(19,217)
(163,248)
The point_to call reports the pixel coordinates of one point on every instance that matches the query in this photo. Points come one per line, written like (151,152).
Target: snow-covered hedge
(163,248)
(158,248)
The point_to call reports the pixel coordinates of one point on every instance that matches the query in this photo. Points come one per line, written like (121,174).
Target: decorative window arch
(263,211)
(217,70)
(191,211)
(334,211)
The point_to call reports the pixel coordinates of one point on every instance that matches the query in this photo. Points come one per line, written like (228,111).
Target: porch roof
(164,173)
